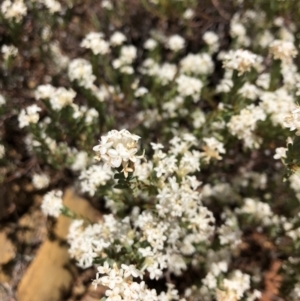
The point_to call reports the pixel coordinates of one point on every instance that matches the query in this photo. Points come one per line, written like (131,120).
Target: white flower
(263,81)
(156,146)
(265,39)
(249,91)
(44,91)
(292,121)
(280,153)
(198,118)
(256,208)
(188,14)
(105,269)
(81,70)
(150,44)
(131,270)
(95,42)
(128,54)
(278,105)
(127,69)
(117,39)
(283,50)
(60,60)
(40,181)
(29,115)
(9,51)
(210,281)
(91,115)
(52,203)
(103,92)
(189,86)
(212,149)
(52,5)
(2,151)
(61,98)
(80,161)
(295,182)
(165,73)
(141,91)
(107,4)
(13,9)
(176,43)
(255,295)
(237,30)
(243,125)
(212,40)
(118,148)
(2,100)
(93,177)
(240,60)
(224,86)
(235,287)
(197,64)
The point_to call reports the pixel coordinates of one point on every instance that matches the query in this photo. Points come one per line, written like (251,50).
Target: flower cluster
(95,42)
(244,124)
(118,148)
(13,9)
(283,50)
(52,203)
(58,97)
(292,121)
(29,115)
(216,111)
(240,60)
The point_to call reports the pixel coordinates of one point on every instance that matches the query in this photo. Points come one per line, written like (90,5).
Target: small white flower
(150,44)
(95,42)
(189,86)
(92,177)
(44,91)
(283,50)
(9,51)
(107,4)
(118,148)
(280,153)
(212,149)
(188,14)
(176,43)
(2,100)
(40,181)
(292,121)
(2,151)
(131,270)
(211,39)
(197,64)
(128,54)
(52,5)
(61,98)
(117,39)
(81,70)
(249,91)
(156,146)
(141,91)
(240,60)
(13,9)
(29,115)
(52,203)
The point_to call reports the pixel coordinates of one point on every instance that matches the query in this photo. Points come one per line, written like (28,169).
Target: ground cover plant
(178,120)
